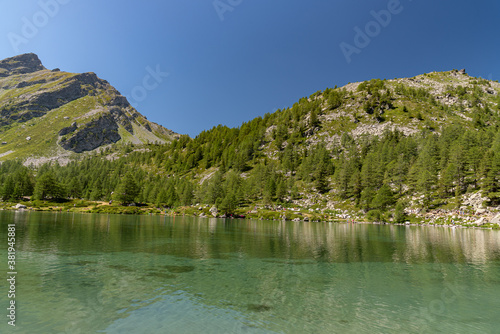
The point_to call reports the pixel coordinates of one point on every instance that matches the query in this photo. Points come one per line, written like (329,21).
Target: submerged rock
(258,307)
(161,275)
(179,269)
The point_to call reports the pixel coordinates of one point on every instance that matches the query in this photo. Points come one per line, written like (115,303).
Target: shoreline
(259,215)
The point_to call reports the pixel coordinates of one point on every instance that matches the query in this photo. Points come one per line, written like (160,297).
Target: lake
(85,273)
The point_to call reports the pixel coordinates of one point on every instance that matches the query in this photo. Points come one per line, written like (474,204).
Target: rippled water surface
(155,274)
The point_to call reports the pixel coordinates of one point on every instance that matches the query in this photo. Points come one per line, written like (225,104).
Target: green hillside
(382,150)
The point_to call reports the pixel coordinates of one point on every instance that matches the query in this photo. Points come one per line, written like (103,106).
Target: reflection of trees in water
(445,245)
(100,264)
(219,239)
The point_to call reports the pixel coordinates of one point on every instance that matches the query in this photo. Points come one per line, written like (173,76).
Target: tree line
(271,159)
(373,172)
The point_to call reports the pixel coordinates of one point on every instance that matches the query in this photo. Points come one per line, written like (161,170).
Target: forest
(271,160)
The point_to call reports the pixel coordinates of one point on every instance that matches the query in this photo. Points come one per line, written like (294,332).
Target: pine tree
(229,203)
(47,186)
(127,190)
(8,189)
(383,198)
(355,186)
(281,191)
(171,196)
(399,213)
(161,198)
(366,197)
(313,120)
(74,188)
(215,191)
(321,180)
(187,194)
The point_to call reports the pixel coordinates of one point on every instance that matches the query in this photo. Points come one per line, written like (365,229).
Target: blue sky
(229,61)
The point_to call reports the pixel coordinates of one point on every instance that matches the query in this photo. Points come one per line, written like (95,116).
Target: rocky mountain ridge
(63,113)
(409,105)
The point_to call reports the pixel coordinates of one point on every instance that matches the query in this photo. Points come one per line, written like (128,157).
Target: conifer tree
(127,190)
(383,198)
(47,186)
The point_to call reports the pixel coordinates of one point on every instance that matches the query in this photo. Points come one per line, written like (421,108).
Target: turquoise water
(154,274)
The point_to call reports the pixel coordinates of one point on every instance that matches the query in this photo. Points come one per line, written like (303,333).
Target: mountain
(51,114)
(387,149)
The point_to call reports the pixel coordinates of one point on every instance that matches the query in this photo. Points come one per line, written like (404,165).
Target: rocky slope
(54,114)
(410,105)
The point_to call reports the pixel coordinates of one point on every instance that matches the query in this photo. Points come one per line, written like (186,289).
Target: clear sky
(229,61)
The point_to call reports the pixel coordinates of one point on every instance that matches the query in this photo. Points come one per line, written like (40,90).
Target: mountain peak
(21,64)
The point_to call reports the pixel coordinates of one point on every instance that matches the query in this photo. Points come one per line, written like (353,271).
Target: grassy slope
(44,130)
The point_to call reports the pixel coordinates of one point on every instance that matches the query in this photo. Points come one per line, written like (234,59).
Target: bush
(82,203)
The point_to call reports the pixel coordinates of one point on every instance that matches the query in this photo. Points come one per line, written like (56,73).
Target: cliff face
(96,133)
(60,110)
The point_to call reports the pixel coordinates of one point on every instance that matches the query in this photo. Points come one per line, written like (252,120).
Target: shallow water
(82,273)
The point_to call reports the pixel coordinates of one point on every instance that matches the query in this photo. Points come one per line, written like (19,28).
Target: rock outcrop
(475,200)
(69,129)
(22,64)
(37,103)
(102,131)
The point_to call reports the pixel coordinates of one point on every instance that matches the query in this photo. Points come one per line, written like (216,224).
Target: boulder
(480,211)
(480,221)
(496,219)
(214,211)
(20,206)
